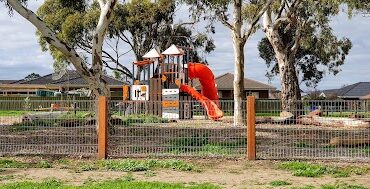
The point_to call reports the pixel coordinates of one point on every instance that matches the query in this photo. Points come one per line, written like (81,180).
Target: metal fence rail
(340,132)
(54,127)
(141,132)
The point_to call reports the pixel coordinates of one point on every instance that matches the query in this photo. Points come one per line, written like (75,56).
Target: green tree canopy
(142,25)
(320,53)
(32,76)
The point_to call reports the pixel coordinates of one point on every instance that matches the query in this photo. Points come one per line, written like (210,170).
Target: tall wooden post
(103,127)
(251,128)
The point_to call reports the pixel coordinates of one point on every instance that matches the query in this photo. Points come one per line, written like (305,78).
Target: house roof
(356,90)
(7,81)
(225,82)
(366,97)
(71,77)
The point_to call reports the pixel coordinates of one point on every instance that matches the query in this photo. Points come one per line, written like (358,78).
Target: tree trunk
(98,87)
(290,90)
(238,84)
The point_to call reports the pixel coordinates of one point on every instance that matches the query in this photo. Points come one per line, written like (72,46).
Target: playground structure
(165,80)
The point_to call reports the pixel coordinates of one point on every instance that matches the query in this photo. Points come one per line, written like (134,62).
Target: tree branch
(99,34)
(248,33)
(279,21)
(223,20)
(297,38)
(281,9)
(51,38)
(101,4)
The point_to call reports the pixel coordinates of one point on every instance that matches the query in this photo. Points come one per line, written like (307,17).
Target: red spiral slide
(209,96)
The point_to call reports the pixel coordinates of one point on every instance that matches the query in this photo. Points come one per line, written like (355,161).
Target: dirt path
(228,174)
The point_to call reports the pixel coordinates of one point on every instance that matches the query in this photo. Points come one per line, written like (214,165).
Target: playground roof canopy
(152,54)
(173,50)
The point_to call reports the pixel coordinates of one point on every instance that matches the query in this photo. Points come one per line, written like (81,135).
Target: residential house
(355,91)
(251,87)
(70,81)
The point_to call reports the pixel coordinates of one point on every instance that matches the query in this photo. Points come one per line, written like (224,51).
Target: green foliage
(342,186)
(201,145)
(304,169)
(7,177)
(190,142)
(118,183)
(314,170)
(303,145)
(65,120)
(144,165)
(141,118)
(11,113)
(279,183)
(44,164)
(218,10)
(142,24)
(304,187)
(319,50)
(30,185)
(149,173)
(32,76)
(356,6)
(9,163)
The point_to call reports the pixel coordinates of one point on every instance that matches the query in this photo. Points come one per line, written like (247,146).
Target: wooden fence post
(102,127)
(251,128)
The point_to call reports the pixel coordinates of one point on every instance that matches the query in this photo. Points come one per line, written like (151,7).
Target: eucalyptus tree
(32,76)
(357,6)
(242,23)
(141,24)
(91,72)
(300,42)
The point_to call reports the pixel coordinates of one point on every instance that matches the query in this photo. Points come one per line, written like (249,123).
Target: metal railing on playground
(311,130)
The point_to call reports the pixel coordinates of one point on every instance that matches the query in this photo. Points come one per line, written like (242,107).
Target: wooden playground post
(251,128)
(103,127)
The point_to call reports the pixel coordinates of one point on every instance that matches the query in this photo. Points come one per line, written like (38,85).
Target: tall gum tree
(75,22)
(244,22)
(300,41)
(93,74)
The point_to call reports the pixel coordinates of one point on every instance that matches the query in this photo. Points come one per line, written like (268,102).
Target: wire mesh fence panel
(313,130)
(153,128)
(48,127)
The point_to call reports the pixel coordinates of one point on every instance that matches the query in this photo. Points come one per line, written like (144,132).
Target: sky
(20,53)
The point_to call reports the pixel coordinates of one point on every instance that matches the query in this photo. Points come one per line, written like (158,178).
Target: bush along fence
(116,128)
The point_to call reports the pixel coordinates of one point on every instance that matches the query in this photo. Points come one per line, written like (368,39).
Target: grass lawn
(44,173)
(304,169)
(125,183)
(11,113)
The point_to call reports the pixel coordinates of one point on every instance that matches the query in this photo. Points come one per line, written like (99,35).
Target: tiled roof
(7,81)
(356,90)
(70,78)
(225,82)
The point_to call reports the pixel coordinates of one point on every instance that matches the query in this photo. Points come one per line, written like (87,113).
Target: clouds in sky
(20,53)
